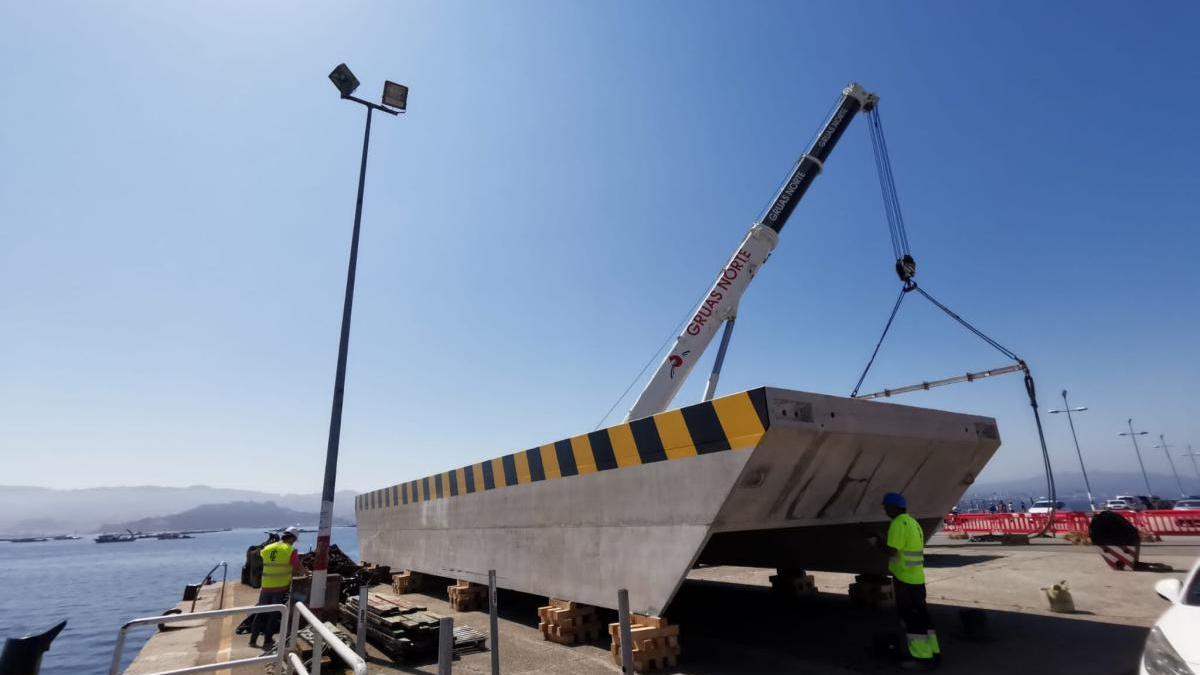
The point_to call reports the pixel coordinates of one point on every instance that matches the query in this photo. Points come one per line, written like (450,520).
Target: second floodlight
(395,95)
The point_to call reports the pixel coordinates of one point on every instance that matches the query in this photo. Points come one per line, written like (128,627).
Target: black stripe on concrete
(453,475)
(645,437)
(437,486)
(758,397)
(489,481)
(469,478)
(425,488)
(536,470)
(404,493)
(705,428)
(602,450)
(395,495)
(566,458)
(415,491)
(509,464)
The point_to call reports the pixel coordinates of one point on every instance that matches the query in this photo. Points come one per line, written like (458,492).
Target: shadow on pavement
(956,559)
(738,628)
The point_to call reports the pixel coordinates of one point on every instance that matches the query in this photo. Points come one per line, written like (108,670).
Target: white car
(1043,506)
(1117,505)
(1134,503)
(1172,647)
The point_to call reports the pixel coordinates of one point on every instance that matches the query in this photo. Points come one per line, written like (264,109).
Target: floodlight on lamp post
(346,84)
(1068,410)
(1162,443)
(1133,437)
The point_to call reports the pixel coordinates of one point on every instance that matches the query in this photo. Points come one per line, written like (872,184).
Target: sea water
(98,587)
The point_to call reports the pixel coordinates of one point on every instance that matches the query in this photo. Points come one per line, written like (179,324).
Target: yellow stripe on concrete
(673,432)
(498,472)
(550,462)
(624,448)
(444,479)
(739,420)
(460,479)
(585,461)
(477,477)
(522,462)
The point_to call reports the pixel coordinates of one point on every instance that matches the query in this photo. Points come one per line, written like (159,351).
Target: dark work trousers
(267,623)
(910,604)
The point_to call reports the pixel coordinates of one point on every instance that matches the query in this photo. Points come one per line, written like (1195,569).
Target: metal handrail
(213,614)
(321,634)
(208,577)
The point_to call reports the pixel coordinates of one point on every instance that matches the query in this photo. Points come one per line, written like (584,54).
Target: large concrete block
(769,477)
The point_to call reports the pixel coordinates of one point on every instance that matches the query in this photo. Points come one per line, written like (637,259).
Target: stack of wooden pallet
(568,623)
(401,630)
(405,582)
(655,642)
(872,591)
(466,596)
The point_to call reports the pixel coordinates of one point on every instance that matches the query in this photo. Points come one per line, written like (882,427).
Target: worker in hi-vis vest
(280,562)
(906,548)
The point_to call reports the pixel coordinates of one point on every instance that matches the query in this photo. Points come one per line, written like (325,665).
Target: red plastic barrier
(1162,523)
(1166,523)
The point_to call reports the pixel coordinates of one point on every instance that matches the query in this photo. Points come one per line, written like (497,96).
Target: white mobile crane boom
(721,303)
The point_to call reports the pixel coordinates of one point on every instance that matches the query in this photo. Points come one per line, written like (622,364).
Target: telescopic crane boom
(722,300)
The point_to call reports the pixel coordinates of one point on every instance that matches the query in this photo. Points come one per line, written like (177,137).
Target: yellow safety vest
(905,535)
(277,565)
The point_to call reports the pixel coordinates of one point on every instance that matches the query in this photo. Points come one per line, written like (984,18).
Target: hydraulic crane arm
(722,300)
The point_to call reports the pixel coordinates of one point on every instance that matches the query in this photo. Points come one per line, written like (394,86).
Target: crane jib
(721,302)
(810,164)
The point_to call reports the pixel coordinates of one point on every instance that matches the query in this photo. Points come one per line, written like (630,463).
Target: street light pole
(1133,436)
(1193,454)
(1068,409)
(1162,443)
(346,83)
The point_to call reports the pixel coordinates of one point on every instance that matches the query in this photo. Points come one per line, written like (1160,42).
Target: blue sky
(177,189)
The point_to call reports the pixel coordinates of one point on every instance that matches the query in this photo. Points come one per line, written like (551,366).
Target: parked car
(1043,506)
(1172,646)
(1135,503)
(1187,505)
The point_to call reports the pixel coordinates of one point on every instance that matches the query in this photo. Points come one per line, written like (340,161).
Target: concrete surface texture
(732,622)
(201,642)
(800,494)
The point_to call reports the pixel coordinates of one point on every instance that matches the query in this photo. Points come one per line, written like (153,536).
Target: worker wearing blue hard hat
(906,548)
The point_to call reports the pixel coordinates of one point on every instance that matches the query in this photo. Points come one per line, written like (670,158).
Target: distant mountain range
(217,516)
(28,510)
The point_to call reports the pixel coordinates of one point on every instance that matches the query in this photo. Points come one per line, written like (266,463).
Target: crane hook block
(906,268)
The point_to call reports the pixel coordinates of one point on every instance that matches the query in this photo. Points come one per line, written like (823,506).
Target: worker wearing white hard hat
(280,563)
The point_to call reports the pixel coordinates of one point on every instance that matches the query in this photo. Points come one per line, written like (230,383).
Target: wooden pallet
(655,642)
(568,623)
(466,596)
(872,593)
(406,582)
(401,630)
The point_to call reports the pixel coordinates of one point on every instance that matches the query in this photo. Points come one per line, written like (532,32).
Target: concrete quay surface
(731,621)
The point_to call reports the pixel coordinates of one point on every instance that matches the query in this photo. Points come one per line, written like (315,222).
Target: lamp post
(1162,443)
(395,96)
(1068,410)
(1133,436)
(1193,454)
